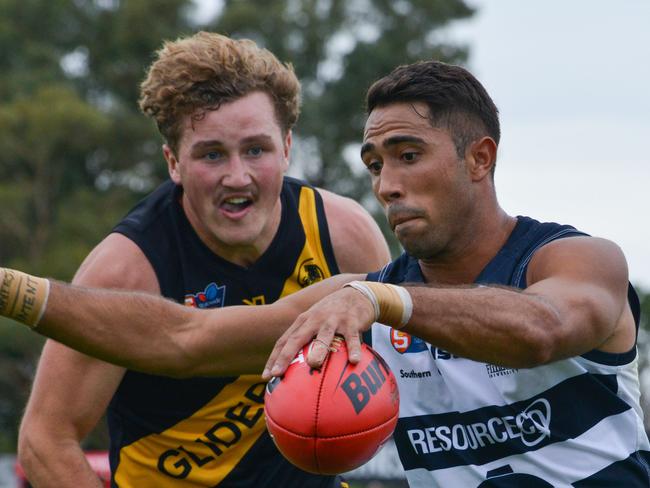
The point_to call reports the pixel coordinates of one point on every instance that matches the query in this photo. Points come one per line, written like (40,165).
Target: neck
(462,265)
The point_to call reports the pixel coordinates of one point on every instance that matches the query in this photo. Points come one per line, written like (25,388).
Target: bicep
(71,391)
(117,262)
(70,387)
(584,280)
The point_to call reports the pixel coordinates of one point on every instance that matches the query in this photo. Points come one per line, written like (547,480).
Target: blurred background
(570,78)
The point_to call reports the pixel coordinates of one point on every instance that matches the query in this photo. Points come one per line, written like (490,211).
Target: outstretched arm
(576,301)
(148,333)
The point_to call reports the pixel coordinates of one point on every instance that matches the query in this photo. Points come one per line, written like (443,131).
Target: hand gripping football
(335,419)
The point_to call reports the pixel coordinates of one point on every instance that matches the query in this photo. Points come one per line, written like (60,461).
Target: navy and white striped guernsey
(572,423)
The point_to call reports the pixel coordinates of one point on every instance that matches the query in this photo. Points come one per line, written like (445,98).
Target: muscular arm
(576,301)
(147,333)
(71,390)
(150,334)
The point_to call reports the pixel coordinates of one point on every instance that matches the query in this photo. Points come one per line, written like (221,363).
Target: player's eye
(374,167)
(213,155)
(255,151)
(410,156)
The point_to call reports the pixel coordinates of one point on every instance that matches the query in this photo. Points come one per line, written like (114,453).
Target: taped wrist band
(392,304)
(23,297)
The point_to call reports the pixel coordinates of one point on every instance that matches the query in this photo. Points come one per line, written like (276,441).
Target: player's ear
(481,156)
(287,149)
(172,164)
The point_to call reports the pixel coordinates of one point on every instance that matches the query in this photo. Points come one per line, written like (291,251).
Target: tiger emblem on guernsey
(309,273)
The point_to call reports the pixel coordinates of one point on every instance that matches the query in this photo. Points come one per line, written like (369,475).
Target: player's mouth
(399,215)
(235,206)
(400,221)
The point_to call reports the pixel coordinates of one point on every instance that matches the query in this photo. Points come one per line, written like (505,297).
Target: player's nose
(388,186)
(238,173)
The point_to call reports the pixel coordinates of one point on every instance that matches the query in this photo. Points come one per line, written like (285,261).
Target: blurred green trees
(75,153)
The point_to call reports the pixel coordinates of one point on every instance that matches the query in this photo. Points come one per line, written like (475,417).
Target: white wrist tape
(23,297)
(393,304)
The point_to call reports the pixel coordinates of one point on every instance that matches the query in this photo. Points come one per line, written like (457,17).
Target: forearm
(147,333)
(569,307)
(502,326)
(50,461)
(495,325)
(136,330)
(132,329)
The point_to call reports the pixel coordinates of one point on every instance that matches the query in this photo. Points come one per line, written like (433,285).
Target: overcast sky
(572,83)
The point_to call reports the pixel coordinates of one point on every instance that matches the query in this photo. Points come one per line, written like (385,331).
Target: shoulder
(148,211)
(586,256)
(585,279)
(358,243)
(117,262)
(530,234)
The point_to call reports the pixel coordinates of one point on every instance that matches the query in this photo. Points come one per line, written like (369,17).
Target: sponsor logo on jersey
(405,343)
(212,296)
(414,374)
(309,273)
(493,370)
(219,439)
(530,427)
(438,353)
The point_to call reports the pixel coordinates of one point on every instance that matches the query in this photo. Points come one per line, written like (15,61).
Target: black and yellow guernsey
(204,432)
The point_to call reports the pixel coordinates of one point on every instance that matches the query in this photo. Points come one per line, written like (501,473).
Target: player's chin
(419,245)
(238,232)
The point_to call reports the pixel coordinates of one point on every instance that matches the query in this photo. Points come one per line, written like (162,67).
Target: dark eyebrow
(366,147)
(257,138)
(206,144)
(391,141)
(216,143)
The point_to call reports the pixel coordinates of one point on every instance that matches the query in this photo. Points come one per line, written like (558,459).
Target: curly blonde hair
(199,73)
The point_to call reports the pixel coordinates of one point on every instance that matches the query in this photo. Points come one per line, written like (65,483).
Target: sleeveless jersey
(204,432)
(575,422)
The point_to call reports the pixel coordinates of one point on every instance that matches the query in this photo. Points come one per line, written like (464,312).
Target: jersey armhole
(326,242)
(619,359)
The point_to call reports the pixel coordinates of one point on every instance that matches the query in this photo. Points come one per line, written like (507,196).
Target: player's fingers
(284,357)
(354,347)
(300,334)
(266,374)
(318,351)
(277,350)
(324,332)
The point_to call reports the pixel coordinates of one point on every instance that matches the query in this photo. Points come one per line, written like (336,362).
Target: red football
(335,419)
